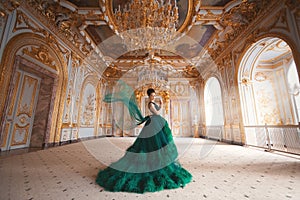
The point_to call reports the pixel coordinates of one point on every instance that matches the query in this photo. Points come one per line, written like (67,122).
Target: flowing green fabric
(150,164)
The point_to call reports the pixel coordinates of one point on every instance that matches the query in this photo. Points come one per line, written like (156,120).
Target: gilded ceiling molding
(259,31)
(196,83)
(191,71)
(61,21)
(238,18)
(225,62)
(194,6)
(208,15)
(86,16)
(25,23)
(112,72)
(96,61)
(23,19)
(50,40)
(8,6)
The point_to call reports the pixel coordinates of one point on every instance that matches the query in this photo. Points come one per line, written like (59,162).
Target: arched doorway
(33,79)
(269,87)
(214,115)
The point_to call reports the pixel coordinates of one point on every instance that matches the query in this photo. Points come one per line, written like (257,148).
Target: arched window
(214,117)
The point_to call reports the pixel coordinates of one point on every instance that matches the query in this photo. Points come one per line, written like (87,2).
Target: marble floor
(220,171)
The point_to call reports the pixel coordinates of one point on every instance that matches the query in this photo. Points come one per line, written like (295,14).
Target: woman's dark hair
(150,91)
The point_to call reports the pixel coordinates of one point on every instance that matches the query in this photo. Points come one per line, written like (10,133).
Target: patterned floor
(220,171)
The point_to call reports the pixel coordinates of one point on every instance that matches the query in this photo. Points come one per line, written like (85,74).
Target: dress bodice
(155,105)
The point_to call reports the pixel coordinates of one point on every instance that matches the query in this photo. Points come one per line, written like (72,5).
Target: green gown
(150,164)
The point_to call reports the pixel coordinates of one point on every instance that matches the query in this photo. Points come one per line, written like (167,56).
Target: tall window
(213,103)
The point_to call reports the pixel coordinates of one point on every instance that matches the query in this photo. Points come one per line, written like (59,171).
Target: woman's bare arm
(153,110)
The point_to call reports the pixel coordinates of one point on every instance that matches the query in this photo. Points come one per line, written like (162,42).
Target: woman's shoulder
(150,102)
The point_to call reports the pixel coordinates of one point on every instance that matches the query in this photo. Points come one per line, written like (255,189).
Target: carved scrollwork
(112,72)
(235,21)
(76,60)
(9,5)
(41,54)
(190,71)
(66,21)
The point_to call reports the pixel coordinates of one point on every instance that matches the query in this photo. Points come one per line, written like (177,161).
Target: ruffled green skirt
(149,165)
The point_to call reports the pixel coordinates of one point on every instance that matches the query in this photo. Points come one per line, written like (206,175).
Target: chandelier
(147,24)
(153,73)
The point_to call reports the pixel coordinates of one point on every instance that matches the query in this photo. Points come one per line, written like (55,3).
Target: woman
(150,164)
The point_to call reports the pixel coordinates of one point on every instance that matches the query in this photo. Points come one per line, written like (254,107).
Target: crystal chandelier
(147,24)
(153,73)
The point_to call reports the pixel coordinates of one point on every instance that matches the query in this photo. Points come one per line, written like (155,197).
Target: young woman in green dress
(150,164)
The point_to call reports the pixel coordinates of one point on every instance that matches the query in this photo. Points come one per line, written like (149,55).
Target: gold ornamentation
(20,135)
(89,110)
(30,24)
(2,13)
(153,73)
(41,54)
(24,108)
(166,99)
(235,21)
(76,60)
(209,15)
(246,81)
(62,21)
(112,72)
(260,76)
(106,8)
(10,5)
(23,19)
(191,72)
(8,64)
(147,24)
(138,96)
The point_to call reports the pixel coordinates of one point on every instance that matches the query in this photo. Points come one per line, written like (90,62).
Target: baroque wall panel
(39,52)
(87,119)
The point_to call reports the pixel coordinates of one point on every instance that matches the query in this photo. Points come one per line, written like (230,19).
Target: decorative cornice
(260,9)
(61,22)
(8,6)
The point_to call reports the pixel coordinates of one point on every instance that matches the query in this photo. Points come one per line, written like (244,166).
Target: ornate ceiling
(206,28)
(196,33)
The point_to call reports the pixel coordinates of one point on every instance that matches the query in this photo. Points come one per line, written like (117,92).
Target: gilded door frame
(7,69)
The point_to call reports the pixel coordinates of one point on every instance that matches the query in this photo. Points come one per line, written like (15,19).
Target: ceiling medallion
(147,24)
